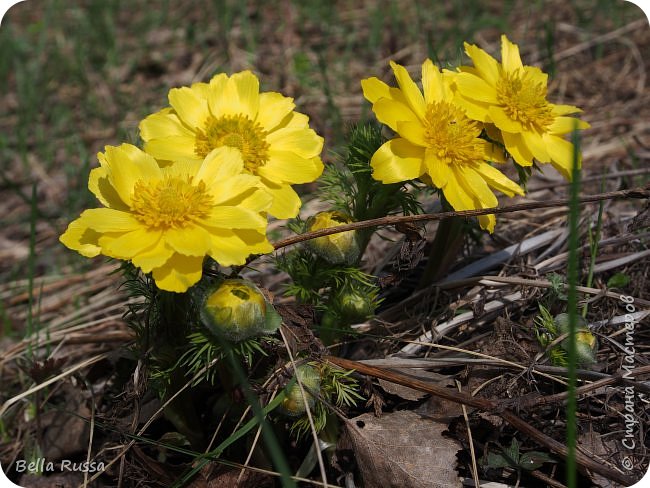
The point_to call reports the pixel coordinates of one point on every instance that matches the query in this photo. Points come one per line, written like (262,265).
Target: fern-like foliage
(351,189)
(312,276)
(337,387)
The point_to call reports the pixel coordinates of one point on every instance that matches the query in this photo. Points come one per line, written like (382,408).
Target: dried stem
(391,220)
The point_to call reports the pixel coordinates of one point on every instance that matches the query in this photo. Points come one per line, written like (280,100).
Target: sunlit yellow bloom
(275,142)
(436,141)
(513,98)
(166,220)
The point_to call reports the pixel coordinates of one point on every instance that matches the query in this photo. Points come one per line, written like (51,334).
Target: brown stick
(618,377)
(487,405)
(633,193)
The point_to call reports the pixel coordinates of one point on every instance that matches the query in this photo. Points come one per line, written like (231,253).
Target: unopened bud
(236,309)
(294,404)
(340,248)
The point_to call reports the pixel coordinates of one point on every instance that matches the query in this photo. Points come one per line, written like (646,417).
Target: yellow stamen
(524,100)
(236,131)
(172,202)
(451,134)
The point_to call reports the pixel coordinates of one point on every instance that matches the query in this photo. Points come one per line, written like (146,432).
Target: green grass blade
(572,309)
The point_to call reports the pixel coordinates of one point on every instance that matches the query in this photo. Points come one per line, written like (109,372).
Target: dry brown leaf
(412,394)
(402,449)
(593,443)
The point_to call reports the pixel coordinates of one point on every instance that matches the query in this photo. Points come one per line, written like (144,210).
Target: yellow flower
(276,142)
(166,220)
(437,141)
(513,97)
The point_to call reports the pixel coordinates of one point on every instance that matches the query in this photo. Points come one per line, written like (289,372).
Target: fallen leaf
(402,449)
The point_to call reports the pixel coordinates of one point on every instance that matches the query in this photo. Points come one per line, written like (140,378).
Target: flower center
(172,202)
(451,134)
(236,131)
(524,100)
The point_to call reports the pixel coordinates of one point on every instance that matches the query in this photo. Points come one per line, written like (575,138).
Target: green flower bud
(586,343)
(236,309)
(355,305)
(341,248)
(294,403)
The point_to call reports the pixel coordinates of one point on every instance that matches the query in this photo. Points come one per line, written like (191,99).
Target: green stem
(444,248)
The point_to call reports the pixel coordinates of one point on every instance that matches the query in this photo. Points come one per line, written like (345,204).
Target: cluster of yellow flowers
(438,128)
(214,165)
(223,157)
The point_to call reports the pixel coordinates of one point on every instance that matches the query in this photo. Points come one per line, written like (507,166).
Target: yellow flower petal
(462,197)
(374,89)
(487,222)
(497,180)
(413,132)
(215,94)
(162,124)
(153,257)
(493,152)
(233,218)
(303,142)
(190,241)
(288,167)
(455,192)
(80,238)
(192,110)
(536,145)
(486,65)
(100,185)
(231,247)
(498,116)
(564,125)
(510,55)
(255,240)
(473,87)
(227,102)
(201,89)
(233,190)
(248,90)
(432,85)
(536,75)
(131,243)
(257,199)
(477,188)
(473,108)
(410,90)
(565,109)
(295,119)
(517,148)
(561,153)
(397,160)
(109,220)
(178,273)
(222,163)
(273,108)
(174,148)
(286,202)
(437,170)
(126,165)
(390,112)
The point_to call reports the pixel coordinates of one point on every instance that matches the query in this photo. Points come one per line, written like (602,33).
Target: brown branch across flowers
(391,220)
